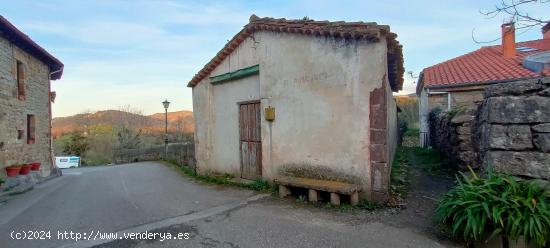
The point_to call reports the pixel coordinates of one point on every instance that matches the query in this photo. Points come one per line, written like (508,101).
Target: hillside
(177,121)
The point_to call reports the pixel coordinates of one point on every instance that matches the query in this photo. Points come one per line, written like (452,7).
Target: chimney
(546,31)
(508,40)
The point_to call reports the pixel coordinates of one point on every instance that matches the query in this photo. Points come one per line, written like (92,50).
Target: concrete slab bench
(314,185)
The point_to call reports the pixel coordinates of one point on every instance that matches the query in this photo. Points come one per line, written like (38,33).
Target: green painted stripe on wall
(245,72)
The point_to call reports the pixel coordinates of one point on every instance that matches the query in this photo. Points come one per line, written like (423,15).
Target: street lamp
(166,103)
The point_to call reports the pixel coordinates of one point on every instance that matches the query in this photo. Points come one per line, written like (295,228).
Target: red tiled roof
(20,39)
(483,65)
(345,30)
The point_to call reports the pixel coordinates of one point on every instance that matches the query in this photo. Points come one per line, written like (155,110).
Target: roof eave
(479,83)
(374,34)
(21,40)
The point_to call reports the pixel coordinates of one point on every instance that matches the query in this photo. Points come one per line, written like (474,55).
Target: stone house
(25,99)
(461,81)
(301,98)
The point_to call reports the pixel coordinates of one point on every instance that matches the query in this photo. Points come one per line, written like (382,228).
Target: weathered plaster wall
(319,88)
(225,125)
(13,112)
(321,96)
(216,112)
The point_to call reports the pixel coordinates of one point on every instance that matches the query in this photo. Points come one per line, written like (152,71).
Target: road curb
(168,222)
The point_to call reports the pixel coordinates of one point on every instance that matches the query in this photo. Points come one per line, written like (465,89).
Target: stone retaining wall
(183,153)
(510,130)
(514,128)
(452,135)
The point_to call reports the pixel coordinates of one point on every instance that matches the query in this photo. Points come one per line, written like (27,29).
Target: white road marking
(127,193)
(169,222)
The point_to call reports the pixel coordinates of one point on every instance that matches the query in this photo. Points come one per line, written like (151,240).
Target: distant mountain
(174,116)
(181,121)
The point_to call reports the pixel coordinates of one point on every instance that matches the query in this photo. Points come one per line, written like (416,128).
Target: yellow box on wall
(270,113)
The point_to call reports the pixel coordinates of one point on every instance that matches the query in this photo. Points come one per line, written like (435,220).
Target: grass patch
(264,186)
(412,132)
(433,162)
(259,184)
(344,207)
(399,183)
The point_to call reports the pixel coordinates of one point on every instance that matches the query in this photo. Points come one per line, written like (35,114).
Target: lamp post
(166,103)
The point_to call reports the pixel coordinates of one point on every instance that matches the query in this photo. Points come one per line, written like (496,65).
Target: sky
(139,53)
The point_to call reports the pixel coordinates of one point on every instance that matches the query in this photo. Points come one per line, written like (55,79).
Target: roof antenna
(411,74)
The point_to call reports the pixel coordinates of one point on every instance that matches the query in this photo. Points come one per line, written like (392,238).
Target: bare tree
(131,118)
(512,9)
(128,138)
(84,121)
(513,12)
(129,124)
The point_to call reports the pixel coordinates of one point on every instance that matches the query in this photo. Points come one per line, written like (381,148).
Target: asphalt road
(155,199)
(106,199)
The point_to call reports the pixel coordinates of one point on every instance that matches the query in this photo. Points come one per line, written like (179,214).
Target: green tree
(76,145)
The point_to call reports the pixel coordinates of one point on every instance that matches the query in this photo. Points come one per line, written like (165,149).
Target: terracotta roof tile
(485,64)
(345,30)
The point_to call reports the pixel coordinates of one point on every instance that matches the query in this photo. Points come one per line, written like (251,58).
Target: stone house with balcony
(461,81)
(302,99)
(25,99)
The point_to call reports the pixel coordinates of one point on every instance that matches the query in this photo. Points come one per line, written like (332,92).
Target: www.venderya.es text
(96,235)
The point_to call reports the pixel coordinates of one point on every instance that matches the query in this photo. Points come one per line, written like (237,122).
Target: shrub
(75,144)
(432,116)
(483,208)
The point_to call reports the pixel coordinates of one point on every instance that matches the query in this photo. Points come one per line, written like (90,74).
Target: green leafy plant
(302,199)
(483,208)
(368,205)
(455,110)
(259,185)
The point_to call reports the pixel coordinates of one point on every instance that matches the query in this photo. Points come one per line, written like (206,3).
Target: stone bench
(313,185)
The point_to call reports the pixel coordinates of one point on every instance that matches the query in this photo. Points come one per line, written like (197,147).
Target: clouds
(119,53)
(142,51)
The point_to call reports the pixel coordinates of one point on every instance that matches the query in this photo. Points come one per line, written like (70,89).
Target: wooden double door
(250,139)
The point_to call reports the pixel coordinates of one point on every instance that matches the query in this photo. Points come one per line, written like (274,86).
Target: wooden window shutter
(31,127)
(20,81)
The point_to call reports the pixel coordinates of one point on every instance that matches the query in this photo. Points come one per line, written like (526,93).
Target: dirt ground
(420,203)
(417,208)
